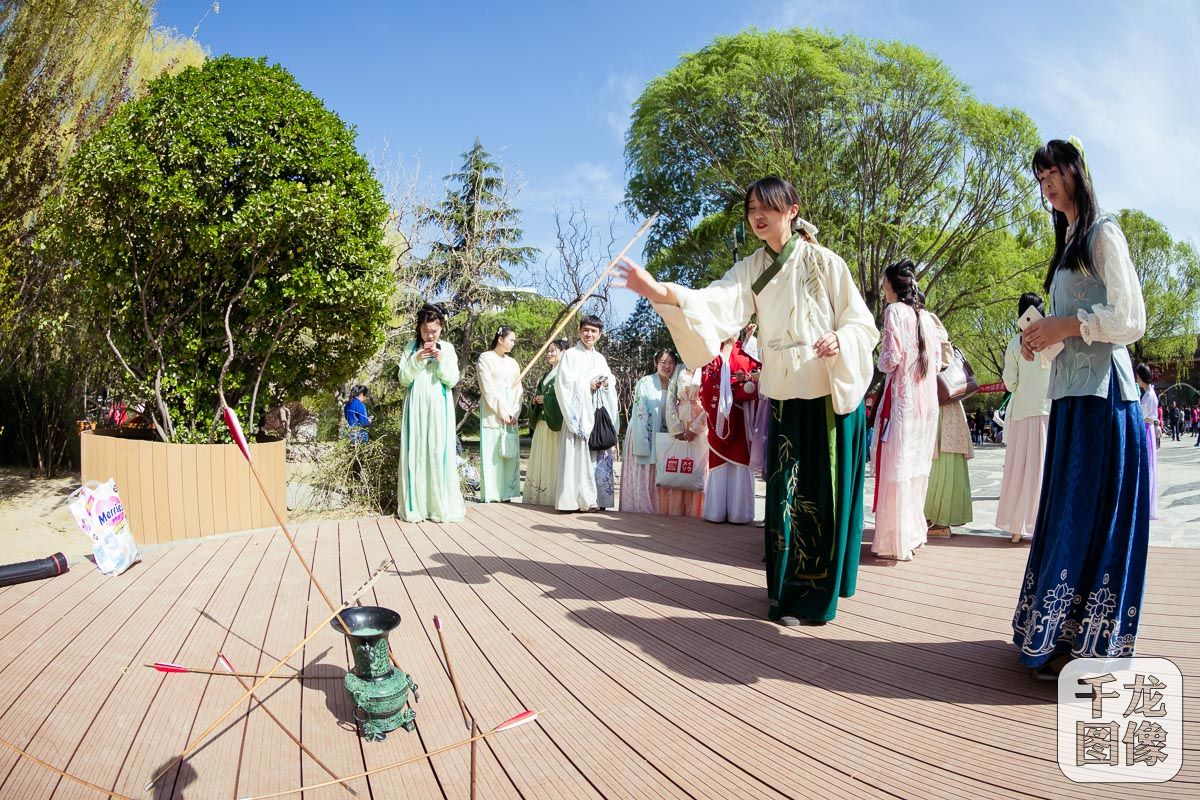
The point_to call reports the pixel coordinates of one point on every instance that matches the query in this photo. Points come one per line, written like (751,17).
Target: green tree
(230,239)
(1170,274)
(67,66)
(477,242)
(891,154)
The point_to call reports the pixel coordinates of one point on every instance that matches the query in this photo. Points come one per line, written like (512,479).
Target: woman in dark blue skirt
(1082,592)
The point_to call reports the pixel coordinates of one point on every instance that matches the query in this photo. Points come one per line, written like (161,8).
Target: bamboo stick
(586,296)
(192,745)
(67,775)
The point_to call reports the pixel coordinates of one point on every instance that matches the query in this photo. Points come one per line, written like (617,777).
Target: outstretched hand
(636,279)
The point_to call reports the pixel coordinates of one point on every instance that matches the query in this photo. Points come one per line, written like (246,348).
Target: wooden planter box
(183,491)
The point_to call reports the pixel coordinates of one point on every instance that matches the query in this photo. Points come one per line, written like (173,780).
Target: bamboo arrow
(507,725)
(67,775)
(168,667)
(228,667)
(192,745)
(586,296)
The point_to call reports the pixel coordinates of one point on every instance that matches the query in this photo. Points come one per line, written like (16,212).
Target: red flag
(235,430)
(517,721)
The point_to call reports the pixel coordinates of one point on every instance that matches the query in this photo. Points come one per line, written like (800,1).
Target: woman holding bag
(686,424)
(541,476)
(499,404)
(639,492)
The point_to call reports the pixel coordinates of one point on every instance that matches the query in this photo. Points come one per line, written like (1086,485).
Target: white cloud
(588,184)
(1131,96)
(616,100)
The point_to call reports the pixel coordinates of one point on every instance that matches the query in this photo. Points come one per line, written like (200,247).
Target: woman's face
(767,223)
(431,331)
(506,343)
(1058,187)
(553,354)
(665,365)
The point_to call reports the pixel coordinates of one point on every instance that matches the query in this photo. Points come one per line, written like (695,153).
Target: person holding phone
(428,485)
(499,405)
(585,385)
(1081,595)
(1026,422)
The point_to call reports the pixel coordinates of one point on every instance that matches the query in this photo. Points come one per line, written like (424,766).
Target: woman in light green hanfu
(499,405)
(428,484)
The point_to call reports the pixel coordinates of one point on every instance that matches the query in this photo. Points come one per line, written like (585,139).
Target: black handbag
(604,435)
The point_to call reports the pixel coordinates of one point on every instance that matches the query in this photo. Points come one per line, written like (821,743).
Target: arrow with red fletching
(168,667)
(235,430)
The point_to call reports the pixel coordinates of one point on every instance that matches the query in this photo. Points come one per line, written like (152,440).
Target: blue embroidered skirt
(1082,592)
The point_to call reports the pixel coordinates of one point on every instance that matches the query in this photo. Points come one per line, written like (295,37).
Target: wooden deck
(641,638)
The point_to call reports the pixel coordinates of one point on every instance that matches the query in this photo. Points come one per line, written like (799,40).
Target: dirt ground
(34,521)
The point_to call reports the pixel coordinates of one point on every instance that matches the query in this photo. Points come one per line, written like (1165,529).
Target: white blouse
(1122,318)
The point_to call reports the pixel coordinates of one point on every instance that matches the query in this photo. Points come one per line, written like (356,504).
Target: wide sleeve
(510,388)
(1121,319)
(891,351)
(851,370)
(606,397)
(572,389)
(641,422)
(489,386)
(410,365)
(707,317)
(447,367)
(1012,364)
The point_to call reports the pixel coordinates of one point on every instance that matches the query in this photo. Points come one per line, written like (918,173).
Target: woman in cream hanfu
(639,462)
(428,485)
(541,476)
(585,384)
(816,337)
(499,405)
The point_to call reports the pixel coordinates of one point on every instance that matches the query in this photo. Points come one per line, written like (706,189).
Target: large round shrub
(228,193)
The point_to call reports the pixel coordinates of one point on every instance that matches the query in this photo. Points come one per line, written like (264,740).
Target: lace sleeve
(1122,318)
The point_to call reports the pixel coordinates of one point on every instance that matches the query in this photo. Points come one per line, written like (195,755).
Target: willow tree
(891,154)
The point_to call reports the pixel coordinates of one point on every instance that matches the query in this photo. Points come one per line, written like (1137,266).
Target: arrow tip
(437,623)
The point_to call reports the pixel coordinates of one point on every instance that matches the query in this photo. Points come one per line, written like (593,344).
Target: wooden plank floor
(641,639)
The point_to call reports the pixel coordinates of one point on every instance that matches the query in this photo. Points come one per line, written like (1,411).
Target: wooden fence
(182,491)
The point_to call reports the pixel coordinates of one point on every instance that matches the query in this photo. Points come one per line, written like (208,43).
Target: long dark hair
(1029,299)
(430,312)
(902,276)
(1070,254)
(501,332)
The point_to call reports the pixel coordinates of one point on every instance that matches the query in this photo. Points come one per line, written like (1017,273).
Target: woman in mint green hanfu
(816,339)
(428,485)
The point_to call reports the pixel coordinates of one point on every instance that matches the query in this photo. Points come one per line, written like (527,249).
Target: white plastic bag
(98,510)
(681,465)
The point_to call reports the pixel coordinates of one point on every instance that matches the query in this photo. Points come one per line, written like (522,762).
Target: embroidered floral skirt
(815,465)
(1082,591)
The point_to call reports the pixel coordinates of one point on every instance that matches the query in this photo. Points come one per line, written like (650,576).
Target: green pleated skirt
(815,466)
(948,500)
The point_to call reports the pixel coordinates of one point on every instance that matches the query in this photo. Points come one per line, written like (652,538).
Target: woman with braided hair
(906,425)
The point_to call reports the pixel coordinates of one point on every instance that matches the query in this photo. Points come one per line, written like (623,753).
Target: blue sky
(549,85)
